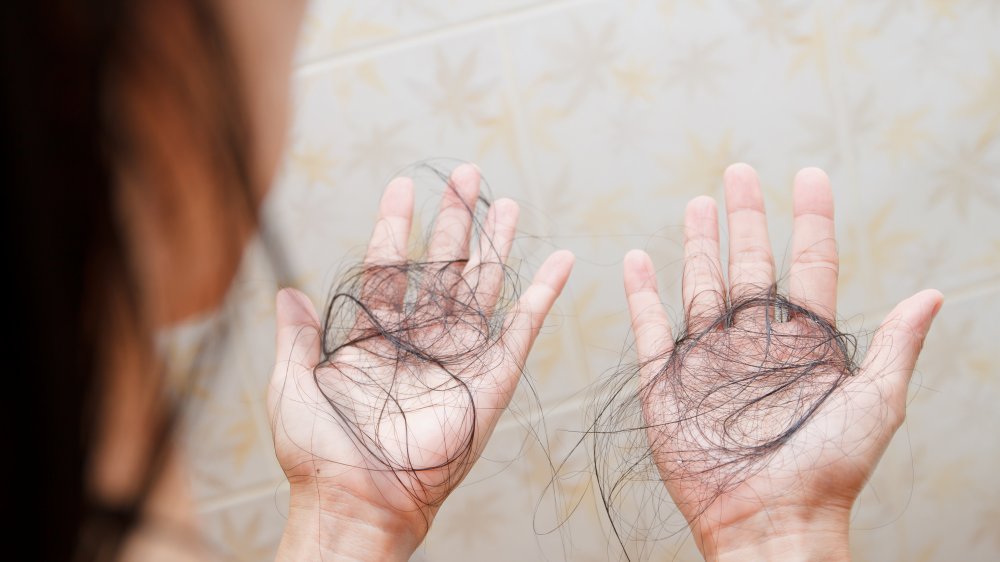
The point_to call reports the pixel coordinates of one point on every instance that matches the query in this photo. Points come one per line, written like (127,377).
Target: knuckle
(755,253)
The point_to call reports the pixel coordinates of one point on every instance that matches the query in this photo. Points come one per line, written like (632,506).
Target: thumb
(298,330)
(896,345)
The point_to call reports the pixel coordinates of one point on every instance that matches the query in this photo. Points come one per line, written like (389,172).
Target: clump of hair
(397,319)
(731,392)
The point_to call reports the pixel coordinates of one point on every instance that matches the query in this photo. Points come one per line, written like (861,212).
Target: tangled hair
(735,388)
(404,340)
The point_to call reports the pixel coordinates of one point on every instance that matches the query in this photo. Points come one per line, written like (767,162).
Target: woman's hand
(751,486)
(374,437)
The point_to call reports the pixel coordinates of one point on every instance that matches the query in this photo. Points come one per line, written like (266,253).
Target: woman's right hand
(375,436)
(796,503)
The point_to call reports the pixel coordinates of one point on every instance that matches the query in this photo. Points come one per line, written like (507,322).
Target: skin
(798,506)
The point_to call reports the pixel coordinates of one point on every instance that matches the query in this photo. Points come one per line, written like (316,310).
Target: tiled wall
(602,118)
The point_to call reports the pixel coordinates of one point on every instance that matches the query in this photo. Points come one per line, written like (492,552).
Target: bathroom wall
(602,118)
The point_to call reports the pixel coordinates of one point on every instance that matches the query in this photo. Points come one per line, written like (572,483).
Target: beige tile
(247,531)
(602,119)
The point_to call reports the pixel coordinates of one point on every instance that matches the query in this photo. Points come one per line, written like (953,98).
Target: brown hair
(77,79)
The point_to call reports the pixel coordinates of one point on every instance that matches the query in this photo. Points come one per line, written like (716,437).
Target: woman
(141,138)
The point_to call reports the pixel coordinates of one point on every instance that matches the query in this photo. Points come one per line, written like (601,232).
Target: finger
(298,338)
(450,238)
(812,278)
(298,329)
(485,273)
(495,390)
(392,227)
(529,313)
(895,347)
(702,286)
(385,287)
(650,324)
(751,263)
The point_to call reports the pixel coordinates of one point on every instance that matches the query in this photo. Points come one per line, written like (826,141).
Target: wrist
(800,536)
(339,527)
(814,547)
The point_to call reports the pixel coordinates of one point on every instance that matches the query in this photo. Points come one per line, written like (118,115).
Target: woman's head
(140,138)
(199,96)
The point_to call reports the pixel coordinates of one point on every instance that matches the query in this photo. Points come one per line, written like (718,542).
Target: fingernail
(937,308)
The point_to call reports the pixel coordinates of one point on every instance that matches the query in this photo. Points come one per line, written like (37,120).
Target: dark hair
(67,131)
(732,392)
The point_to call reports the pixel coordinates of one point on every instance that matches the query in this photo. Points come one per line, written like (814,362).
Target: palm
(708,469)
(395,414)
(763,410)
(401,448)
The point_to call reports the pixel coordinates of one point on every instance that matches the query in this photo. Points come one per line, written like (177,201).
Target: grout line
(416,39)
(244,495)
